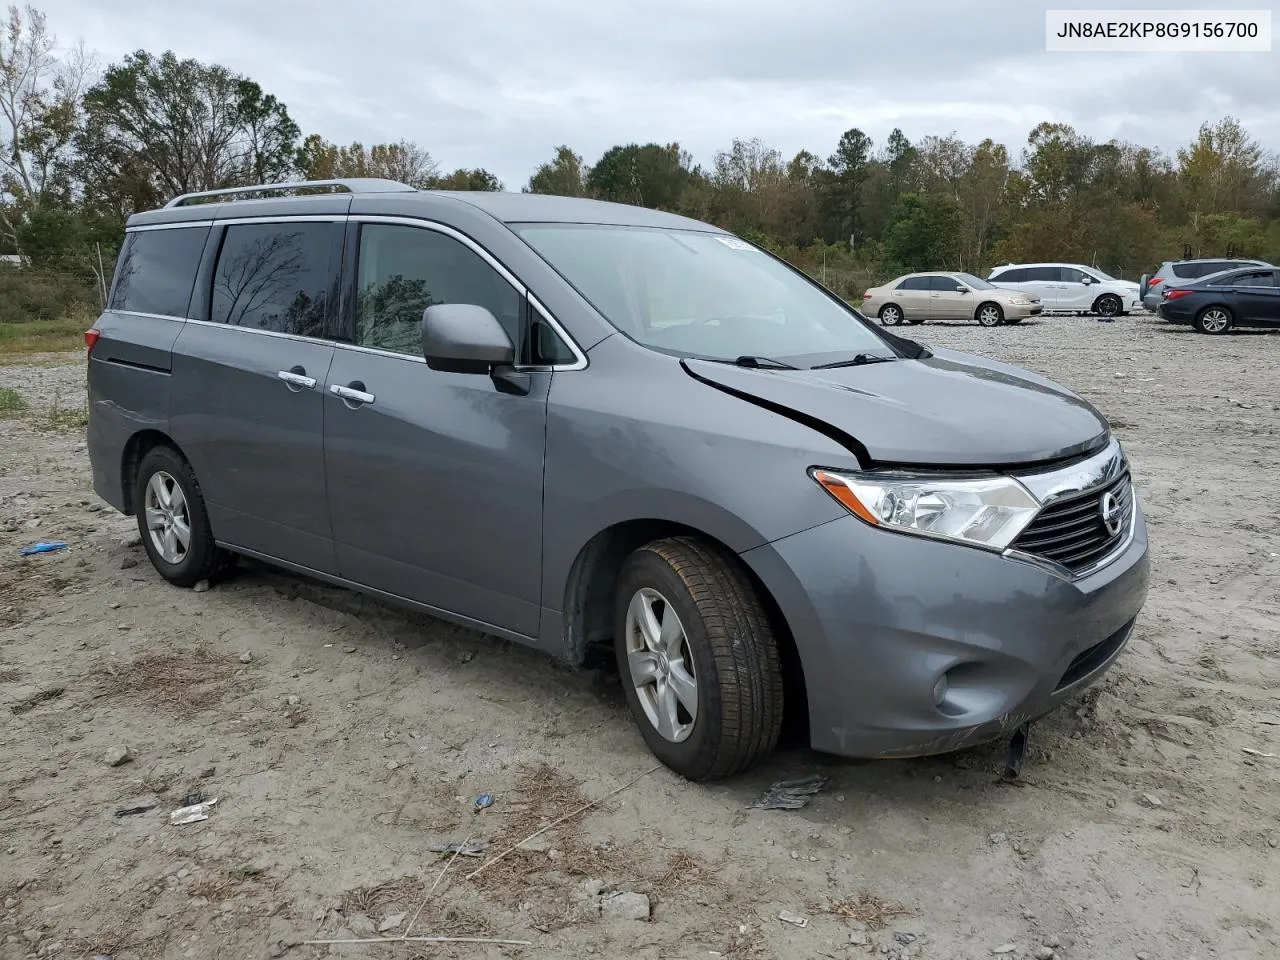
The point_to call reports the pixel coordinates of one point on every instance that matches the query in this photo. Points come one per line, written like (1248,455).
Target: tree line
(81,148)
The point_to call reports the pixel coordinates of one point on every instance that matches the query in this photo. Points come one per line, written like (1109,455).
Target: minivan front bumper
(911,646)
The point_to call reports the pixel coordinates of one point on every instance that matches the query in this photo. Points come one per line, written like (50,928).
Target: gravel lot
(343,740)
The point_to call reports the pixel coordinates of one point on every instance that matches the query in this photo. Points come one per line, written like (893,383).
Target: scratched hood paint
(948,409)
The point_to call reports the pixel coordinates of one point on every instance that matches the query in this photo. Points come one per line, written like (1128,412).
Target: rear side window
(914,283)
(1016,275)
(1193,271)
(1262,278)
(157,270)
(1050,274)
(276,276)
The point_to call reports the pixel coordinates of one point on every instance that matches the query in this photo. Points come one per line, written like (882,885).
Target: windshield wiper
(858,361)
(758,362)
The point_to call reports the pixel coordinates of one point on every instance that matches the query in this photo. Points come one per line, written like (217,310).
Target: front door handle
(297,379)
(352,394)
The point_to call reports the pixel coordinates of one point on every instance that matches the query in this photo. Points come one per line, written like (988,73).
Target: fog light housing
(940,691)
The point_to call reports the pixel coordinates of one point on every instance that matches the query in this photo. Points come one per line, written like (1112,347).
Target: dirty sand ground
(355,737)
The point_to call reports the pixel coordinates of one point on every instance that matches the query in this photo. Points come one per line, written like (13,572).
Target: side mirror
(961,288)
(464,338)
(1086,280)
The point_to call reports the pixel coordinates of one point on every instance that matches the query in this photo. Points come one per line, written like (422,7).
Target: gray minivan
(568,422)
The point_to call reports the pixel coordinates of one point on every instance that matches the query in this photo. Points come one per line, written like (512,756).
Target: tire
(1215,319)
(891,315)
(1108,305)
(164,473)
(736,682)
(989,314)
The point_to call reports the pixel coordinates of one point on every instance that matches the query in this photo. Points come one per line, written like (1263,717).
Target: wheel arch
(987,303)
(135,449)
(592,583)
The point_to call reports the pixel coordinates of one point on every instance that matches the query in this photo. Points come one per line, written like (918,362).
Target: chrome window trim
(297,218)
(265,333)
(145,227)
(580,358)
(148,316)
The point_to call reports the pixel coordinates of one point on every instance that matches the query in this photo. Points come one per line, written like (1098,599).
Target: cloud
(499,83)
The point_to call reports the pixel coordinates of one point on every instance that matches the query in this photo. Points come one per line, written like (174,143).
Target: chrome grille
(1071,531)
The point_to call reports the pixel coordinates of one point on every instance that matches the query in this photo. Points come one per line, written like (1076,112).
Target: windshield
(974,282)
(1098,274)
(702,294)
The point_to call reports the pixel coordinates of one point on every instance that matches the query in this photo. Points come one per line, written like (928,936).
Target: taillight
(866,296)
(1175,294)
(90,338)
(1155,281)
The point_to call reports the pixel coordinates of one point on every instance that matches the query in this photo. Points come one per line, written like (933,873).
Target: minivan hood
(946,409)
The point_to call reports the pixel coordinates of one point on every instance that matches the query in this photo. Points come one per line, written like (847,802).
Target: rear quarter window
(157,270)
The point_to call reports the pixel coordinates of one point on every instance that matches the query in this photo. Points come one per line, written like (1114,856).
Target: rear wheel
(990,315)
(698,659)
(1214,320)
(173,523)
(891,315)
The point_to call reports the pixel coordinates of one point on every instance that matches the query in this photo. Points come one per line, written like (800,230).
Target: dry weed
(9,675)
(866,907)
(192,679)
(33,701)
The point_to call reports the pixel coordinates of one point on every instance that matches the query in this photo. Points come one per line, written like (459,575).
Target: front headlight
(1020,302)
(984,511)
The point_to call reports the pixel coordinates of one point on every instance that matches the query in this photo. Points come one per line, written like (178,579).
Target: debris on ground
(469,848)
(789,794)
(42,547)
(117,756)
(905,938)
(483,801)
(246,657)
(134,807)
(1004,949)
(193,813)
(201,587)
(625,906)
(391,922)
(1151,800)
(793,918)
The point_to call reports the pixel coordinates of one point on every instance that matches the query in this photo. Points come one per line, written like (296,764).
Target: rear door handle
(351,394)
(297,377)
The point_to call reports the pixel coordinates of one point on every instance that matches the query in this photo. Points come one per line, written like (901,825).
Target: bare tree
(39,111)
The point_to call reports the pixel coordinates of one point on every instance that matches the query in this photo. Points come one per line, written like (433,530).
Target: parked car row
(1010,294)
(1221,301)
(1176,272)
(1214,296)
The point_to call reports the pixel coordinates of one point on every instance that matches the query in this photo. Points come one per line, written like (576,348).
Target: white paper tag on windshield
(735,243)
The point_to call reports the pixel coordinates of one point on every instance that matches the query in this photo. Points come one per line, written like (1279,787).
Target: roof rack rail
(349,185)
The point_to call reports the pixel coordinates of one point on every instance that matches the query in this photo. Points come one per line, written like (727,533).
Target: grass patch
(43,336)
(11,403)
(62,419)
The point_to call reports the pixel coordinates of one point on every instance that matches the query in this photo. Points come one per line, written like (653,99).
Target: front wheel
(890,315)
(1108,306)
(990,315)
(173,523)
(1214,320)
(698,659)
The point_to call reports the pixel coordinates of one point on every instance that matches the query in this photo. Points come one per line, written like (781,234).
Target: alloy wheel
(661,665)
(168,517)
(1215,320)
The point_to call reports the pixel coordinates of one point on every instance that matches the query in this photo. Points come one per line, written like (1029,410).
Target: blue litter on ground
(43,548)
(484,800)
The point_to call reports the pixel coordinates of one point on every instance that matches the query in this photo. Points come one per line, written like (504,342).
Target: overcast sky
(499,83)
